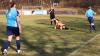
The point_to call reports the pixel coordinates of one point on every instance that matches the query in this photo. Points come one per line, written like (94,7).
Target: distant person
(13,28)
(52,15)
(90,16)
(59,24)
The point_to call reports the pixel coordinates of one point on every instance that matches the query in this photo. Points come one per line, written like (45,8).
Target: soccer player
(13,28)
(52,15)
(59,24)
(90,16)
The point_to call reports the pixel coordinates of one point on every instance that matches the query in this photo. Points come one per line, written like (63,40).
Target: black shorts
(52,16)
(91,20)
(13,31)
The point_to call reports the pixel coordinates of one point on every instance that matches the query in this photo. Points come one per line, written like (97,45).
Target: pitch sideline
(83,45)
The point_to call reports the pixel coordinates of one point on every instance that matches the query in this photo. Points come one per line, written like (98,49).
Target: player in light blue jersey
(90,16)
(13,28)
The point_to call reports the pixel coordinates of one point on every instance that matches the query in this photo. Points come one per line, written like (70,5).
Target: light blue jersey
(90,13)
(11,17)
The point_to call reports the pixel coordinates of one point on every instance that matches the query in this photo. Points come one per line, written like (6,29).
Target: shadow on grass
(1,42)
(40,49)
(3,35)
(2,29)
(40,45)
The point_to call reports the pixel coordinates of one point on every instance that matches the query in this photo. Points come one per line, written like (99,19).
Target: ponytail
(10,6)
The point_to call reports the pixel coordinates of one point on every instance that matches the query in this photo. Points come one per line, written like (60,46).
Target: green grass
(39,38)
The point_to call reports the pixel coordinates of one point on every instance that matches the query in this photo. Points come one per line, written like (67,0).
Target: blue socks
(18,44)
(92,27)
(6,45)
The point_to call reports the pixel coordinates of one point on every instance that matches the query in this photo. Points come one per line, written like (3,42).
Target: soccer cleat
(5,52)
(18,51)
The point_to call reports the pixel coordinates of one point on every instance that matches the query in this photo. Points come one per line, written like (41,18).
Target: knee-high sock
(93,26)
(18,44)
(6,45)
(51,22)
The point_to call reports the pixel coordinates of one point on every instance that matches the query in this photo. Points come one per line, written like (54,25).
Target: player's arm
(19,25)
(94,13)
(50,11)
(86,14)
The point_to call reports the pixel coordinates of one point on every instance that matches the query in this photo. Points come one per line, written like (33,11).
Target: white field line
(83,45)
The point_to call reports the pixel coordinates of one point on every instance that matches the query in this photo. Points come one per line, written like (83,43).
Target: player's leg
(61,27)
(51,19)
(64,26)
(90,22)
(93,25)
(54,20)
(18,44)
(17,34)
(7,43)
(55,27)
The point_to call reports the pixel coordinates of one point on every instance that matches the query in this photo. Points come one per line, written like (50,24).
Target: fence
(48,3)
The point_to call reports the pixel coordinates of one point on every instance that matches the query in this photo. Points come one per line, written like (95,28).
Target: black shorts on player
(13,31)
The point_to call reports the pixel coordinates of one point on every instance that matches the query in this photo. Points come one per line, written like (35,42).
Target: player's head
(12,4)
(90,7)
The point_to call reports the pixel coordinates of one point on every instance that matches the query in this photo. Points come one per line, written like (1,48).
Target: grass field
(39,38)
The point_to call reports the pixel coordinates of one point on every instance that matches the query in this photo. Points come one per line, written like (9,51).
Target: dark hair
(12,4)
